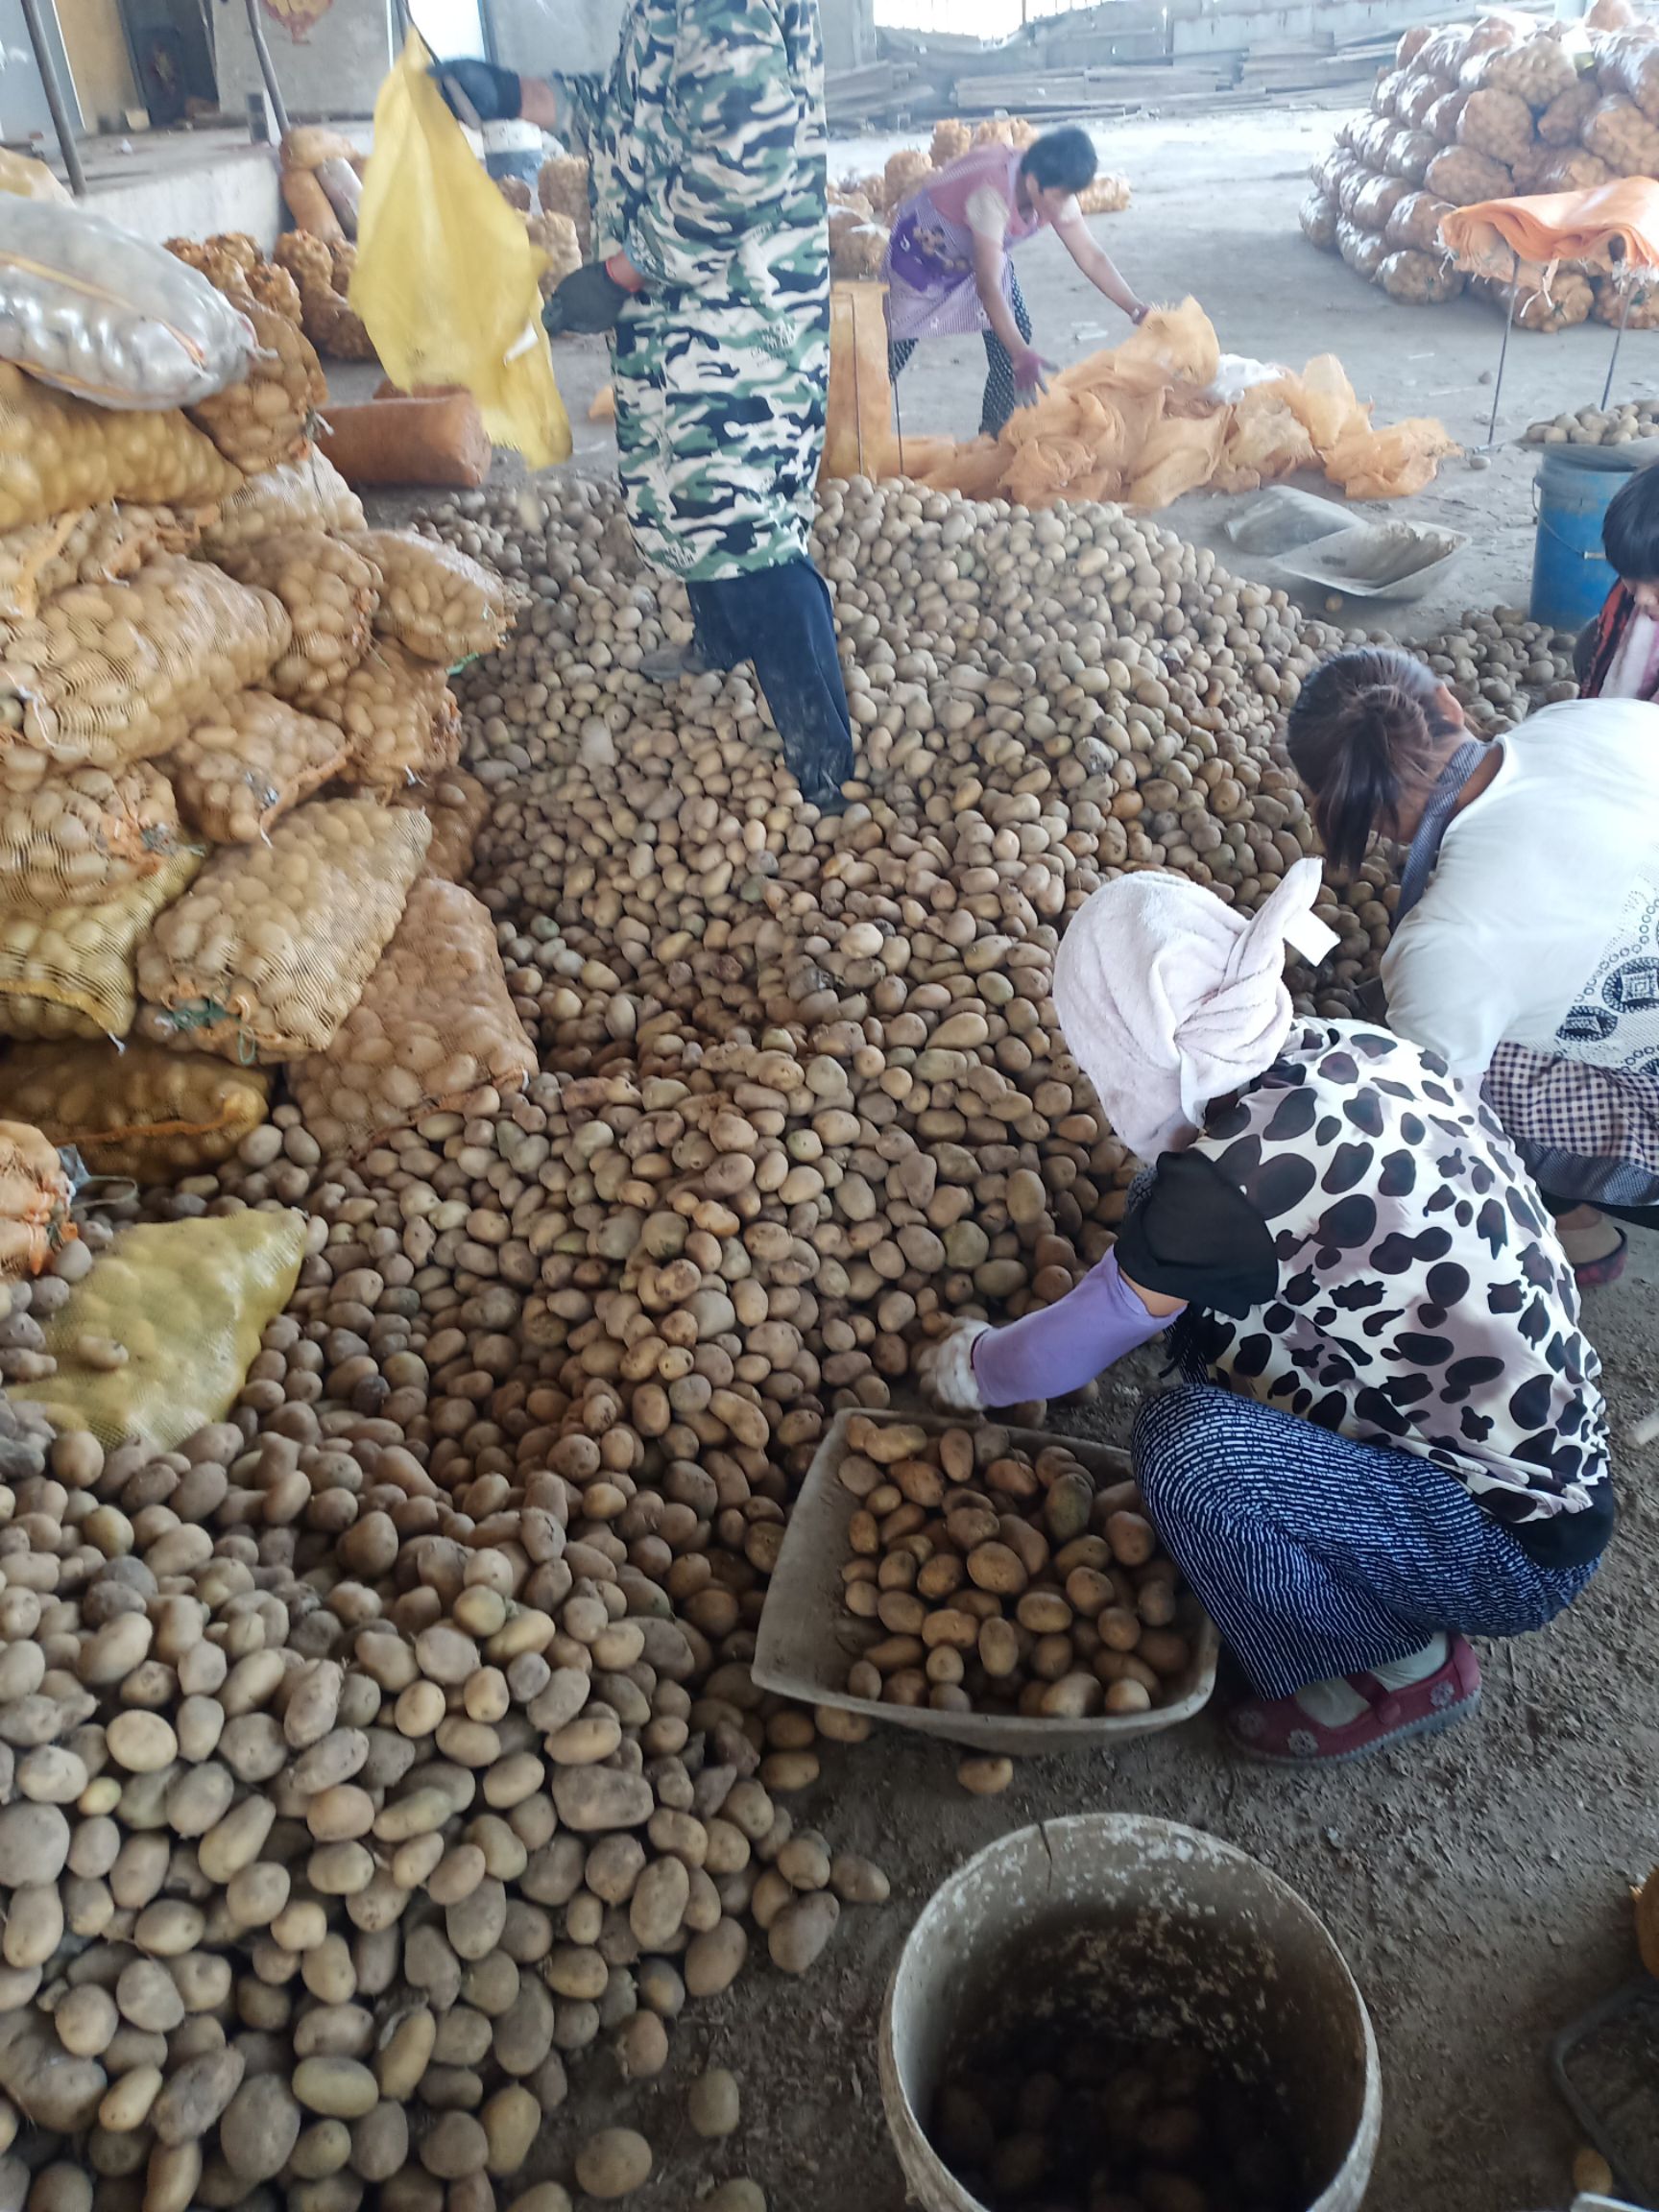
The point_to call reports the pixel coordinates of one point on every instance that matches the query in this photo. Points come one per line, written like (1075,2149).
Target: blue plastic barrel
(1570,578)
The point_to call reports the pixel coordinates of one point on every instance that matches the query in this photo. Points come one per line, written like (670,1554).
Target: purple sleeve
(1067,1344)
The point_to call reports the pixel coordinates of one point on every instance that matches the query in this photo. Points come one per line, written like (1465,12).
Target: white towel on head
(1170,998)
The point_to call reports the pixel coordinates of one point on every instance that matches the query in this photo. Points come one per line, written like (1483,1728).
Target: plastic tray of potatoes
(807,1639)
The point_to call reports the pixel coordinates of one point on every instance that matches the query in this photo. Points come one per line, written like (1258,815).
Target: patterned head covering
(1170,998)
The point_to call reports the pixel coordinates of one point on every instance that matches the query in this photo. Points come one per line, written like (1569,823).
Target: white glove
(945,1368)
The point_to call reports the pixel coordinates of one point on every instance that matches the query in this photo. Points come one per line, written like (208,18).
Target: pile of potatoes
(1001,1583)
(1076,2117)
(1502,666)
(1619,425)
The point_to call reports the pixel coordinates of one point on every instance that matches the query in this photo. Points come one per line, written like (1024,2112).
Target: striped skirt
(1315,1555)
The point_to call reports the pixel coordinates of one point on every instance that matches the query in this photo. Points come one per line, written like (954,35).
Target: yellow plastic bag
(189,1300)
(447,276)
(859,438)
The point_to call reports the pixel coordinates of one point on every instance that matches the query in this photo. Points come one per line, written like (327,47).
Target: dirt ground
(1477,1883)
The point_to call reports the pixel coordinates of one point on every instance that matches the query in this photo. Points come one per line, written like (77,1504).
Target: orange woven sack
(69,972)
(115,672)
(78,837)
(249,763)
(36,1194)
(434,1030)
(270,950)
(134,1110)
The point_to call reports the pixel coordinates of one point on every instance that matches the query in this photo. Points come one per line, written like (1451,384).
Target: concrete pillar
(849,33)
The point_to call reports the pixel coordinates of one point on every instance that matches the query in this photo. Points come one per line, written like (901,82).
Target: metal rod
(54,99)
(1624,290)
(1503,351)
(267,67)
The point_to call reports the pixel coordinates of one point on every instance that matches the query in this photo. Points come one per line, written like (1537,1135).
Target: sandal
(1279,1732)
(1597,1274)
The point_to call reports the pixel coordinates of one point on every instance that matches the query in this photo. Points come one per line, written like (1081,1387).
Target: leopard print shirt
(1423,1299)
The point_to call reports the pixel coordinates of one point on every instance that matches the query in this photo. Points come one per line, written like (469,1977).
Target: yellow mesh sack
(56,452)
(561,187)
(78,837)
(34,1199)
(329,589)
(434,601)
(445,279)
(189,1300)
(69,972)
(249,763)
(455,804)
(89,546)
(108,673)
(308,494)
(399,717)
(137,1110)
(434,1029)
(270,949)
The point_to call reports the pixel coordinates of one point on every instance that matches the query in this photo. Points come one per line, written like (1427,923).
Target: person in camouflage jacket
(711,230)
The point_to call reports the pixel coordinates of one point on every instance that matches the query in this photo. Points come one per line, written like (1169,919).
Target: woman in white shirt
(1525,944)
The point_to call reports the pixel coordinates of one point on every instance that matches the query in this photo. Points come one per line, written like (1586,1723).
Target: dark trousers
(998,404)
(780,620)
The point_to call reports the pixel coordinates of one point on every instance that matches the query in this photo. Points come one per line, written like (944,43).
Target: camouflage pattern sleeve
(723,162)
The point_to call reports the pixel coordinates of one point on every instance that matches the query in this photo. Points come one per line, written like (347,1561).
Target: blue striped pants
(1315,1555)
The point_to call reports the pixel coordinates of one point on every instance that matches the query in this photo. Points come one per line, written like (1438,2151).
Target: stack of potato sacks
(306,283)
(862,208)
(1481,112)
(224,711)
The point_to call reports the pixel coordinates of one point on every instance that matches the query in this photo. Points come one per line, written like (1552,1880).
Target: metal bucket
(1172,1930)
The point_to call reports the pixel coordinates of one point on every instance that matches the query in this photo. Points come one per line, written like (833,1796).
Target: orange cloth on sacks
(1559,226)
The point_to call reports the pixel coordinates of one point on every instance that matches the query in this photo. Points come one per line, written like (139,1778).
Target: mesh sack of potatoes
(1538,71)
(1363,250)
(267,417)
(115,672)
(1318,218)
(952,139)
(1376,201)
(330,589)
(1328,175)
(1417,101)
(1462,176)
(1445,51)
(399,718)
(554,237)
(433,1031)
(35,1196)
(1546,301)
(94,545)
(901,173)
(1414,226)
(79,836)
(455,803)
(1107,195)
(1419,280)
(1371,142)
(1385,97)
(561,187)
(1622,134)
(56,453)
(1628,62)
(155,1343)
(248,763)
(323,275)
(69,972)
(435,602)
(138,1110)
(1443,118)
(1608,304)
(268,951)
(1562,123)
(1495,123)
(1409,154)
(308,494)
(1351,187)
(1560,169)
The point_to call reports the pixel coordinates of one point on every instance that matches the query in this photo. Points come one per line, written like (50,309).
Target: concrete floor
(1477,1883)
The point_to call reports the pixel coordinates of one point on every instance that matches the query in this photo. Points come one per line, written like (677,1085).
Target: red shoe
(1277,1730)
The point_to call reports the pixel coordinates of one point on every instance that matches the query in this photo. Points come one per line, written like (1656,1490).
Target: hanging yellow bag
(447,276)
(187,1302)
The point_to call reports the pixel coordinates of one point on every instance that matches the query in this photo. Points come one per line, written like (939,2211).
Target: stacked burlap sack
(223,704)
(1483,111)
(861,208)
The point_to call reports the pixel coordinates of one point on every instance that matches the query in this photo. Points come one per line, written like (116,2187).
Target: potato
(712,2103)
(613,2163)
